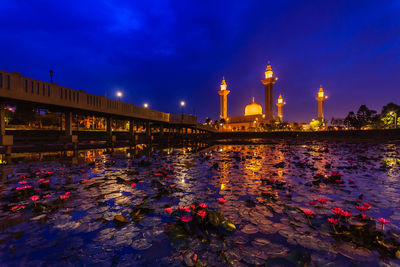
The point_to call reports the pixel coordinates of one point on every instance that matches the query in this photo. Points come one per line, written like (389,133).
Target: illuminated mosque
(253,113)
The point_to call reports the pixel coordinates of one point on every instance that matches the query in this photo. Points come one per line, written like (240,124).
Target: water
(265,188)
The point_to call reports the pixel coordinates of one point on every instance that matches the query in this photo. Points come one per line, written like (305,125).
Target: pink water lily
(312,203)
(203,205)
(46,196)
(186,218)
(133,185)
(184,209)
(202,214)
(368,206)
(168,210)
(34,198)
(221,200)
(322,200)
(383,221)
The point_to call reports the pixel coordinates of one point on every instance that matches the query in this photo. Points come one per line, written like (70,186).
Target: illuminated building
(224,95)
(280,105)
(268,83)
(321,98)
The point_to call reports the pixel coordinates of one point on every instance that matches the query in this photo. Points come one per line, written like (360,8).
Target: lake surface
(112,210)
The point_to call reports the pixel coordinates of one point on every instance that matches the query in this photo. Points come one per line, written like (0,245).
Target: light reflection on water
(239,173)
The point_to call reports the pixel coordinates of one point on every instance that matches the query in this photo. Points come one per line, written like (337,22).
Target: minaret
(280,104)
(268,82)
(224,105)
(321,98)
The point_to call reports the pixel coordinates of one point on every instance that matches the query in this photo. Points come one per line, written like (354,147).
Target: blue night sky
(162,52)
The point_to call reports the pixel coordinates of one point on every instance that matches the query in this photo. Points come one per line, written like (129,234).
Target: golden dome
(253,109)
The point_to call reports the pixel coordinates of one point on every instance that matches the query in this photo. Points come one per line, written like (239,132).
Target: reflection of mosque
(253,114)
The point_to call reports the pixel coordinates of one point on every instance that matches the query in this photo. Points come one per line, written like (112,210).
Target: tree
(351,120)
(315,125)
(389,120)
(208,120)
(366,116)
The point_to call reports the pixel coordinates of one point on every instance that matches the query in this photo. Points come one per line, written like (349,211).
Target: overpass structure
(15,88)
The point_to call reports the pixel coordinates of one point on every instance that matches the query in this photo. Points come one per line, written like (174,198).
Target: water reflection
(265,187)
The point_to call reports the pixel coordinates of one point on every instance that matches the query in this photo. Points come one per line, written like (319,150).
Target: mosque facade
(253,113)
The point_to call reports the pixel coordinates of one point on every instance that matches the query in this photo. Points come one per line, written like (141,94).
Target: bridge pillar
(68,137)
(132,135)
(5,140)
(161,130)
(148,128)
(110,137)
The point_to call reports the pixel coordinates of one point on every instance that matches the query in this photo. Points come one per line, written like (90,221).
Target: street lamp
(145,105)
(182,106)
(119,94)
(395,118)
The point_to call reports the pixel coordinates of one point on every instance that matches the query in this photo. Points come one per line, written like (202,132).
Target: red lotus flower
(202,214)
(23,187)
(337,211)
(203,205)
(41,180)
(46,181)
(221,200)
(322,200)
(187,209)
(383,221)
(368,206)
(46,196)
(312,203)
(346,214)
(133,185)
(172,185)
(361,208)
(85,180)
(157,174)
(34,198)
(186,218)
(169,210)
(169,176)
(37,189)
(193,206)
(363,216)
(351,181)
(307,212)
(17,207)
(22,182)
(67,193)
(333,220)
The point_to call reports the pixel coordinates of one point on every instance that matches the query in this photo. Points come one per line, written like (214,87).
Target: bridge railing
(15,86)
(183,119)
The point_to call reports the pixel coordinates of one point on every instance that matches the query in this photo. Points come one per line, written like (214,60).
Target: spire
(280,98)
(268,71)
(253,99)
(223,83)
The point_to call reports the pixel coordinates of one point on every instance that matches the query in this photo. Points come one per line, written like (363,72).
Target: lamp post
(395,118)
(119,94)
(145,105)
(182,107)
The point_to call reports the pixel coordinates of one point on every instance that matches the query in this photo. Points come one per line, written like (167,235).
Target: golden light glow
(119,94)
(268,72)
(321,92)
(145,105)
(253,109)
(280,99)
(223,84)
(183,103)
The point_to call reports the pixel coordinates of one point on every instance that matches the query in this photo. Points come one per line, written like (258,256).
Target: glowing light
(223,84)
(145,105)
(119,94)
(253,109)
(222,186)
(268,72)
(183,103)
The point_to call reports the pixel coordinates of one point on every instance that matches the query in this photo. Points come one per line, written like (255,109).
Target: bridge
(15,88)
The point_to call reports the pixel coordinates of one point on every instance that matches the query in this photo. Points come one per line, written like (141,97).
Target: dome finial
(253,99)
